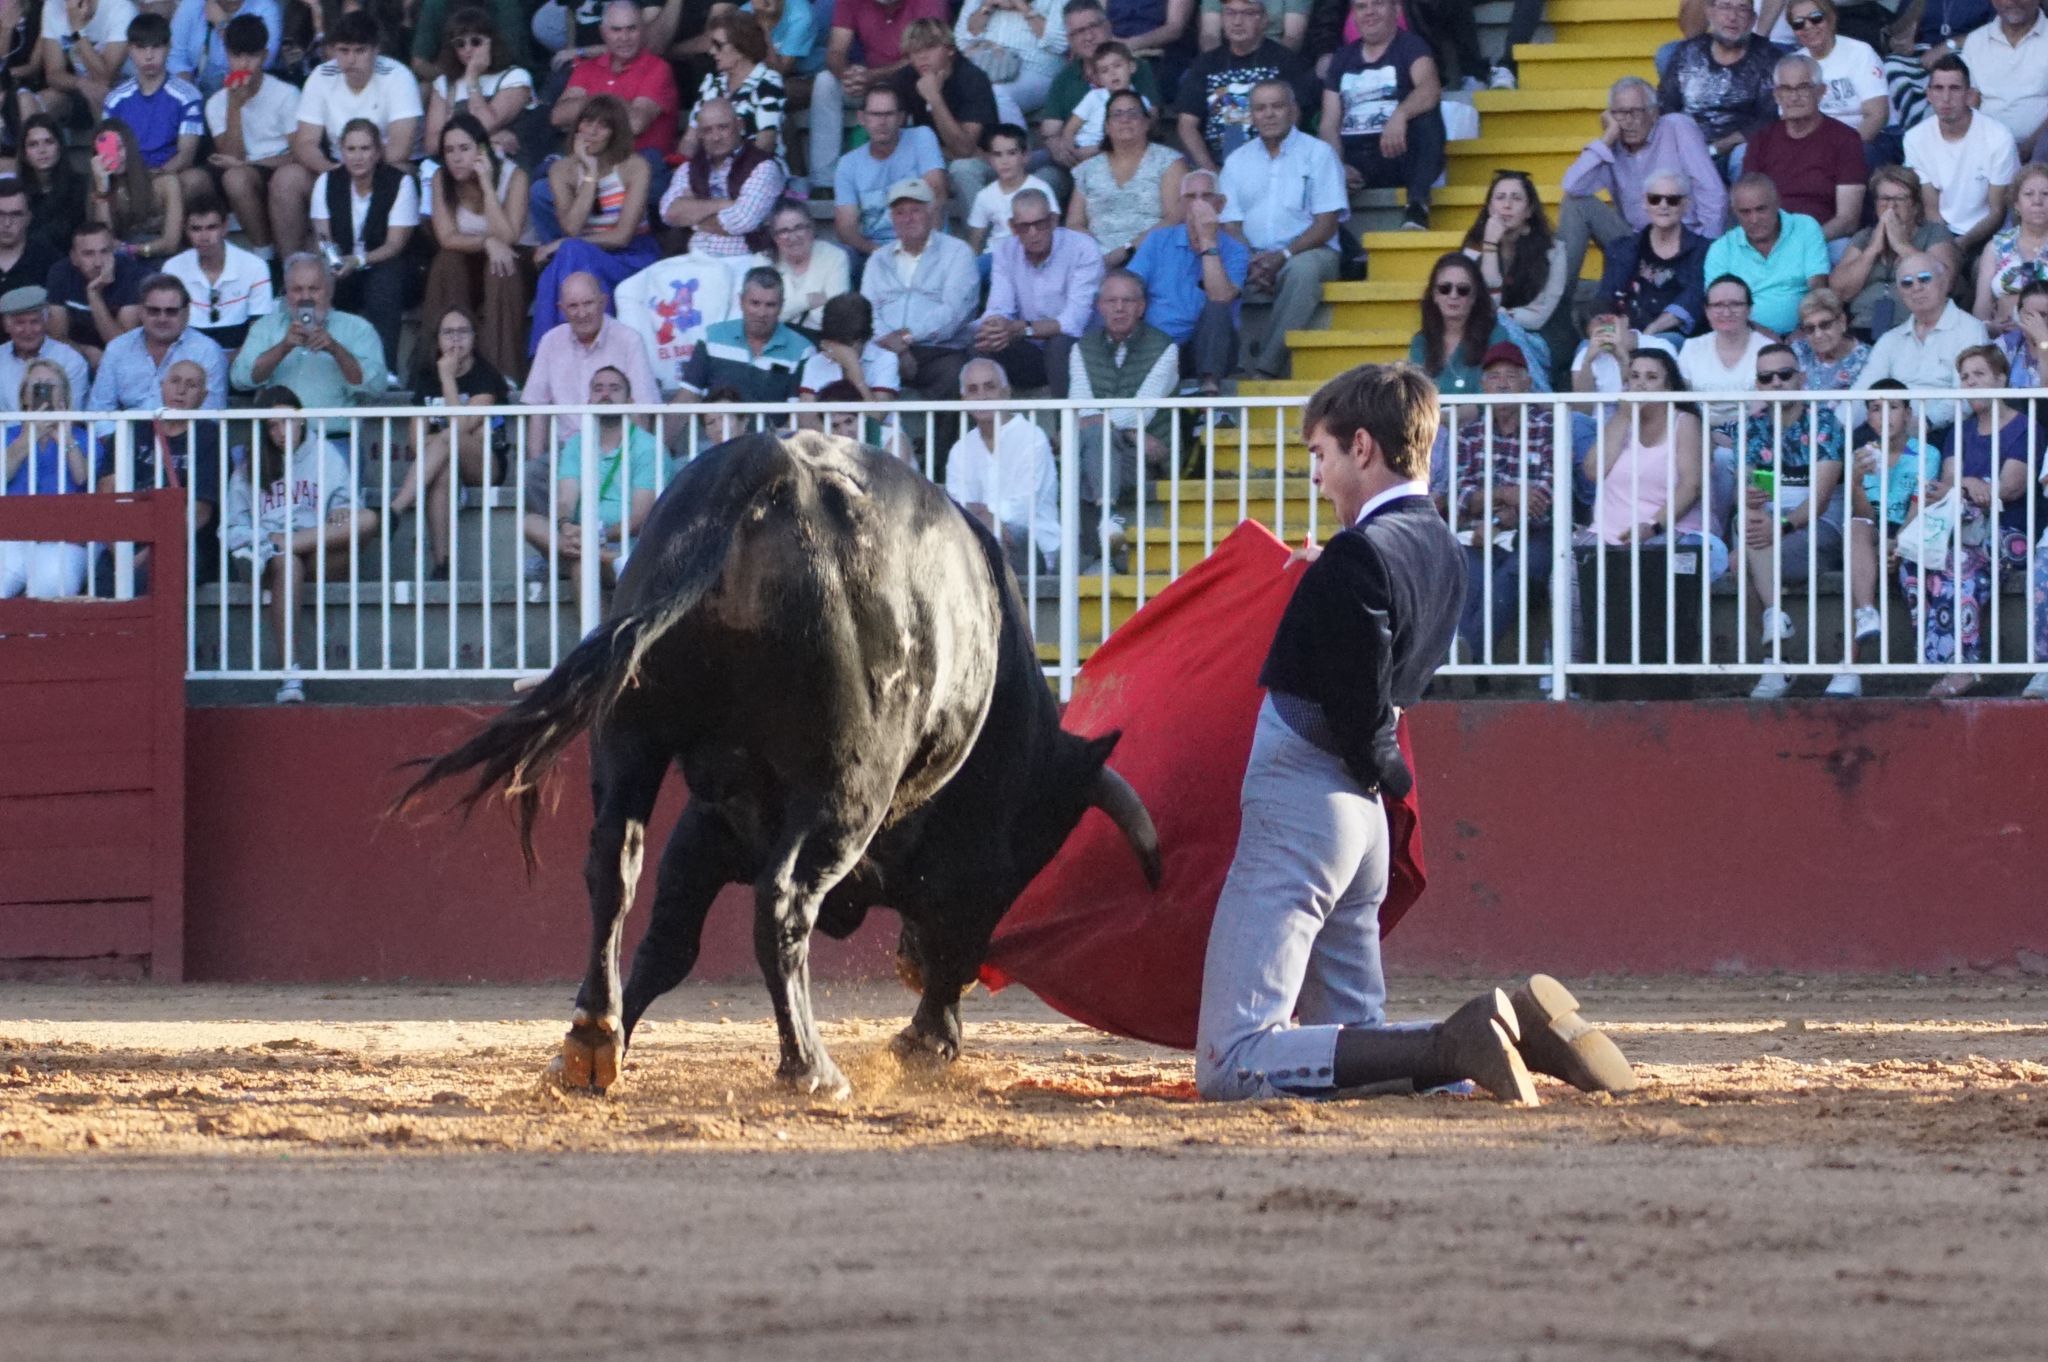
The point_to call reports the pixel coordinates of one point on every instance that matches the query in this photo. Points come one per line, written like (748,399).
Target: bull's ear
(1095,751)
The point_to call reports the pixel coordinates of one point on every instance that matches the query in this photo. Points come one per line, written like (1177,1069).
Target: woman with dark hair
(1723,359)
(600,191)
(478,78)
(1648,466)
(1131,187)
(1522,263)
(57,194)
(847,353)
(479,214)
(364,215)
(740,75)
(1458,323)
(145,212)
(456,376)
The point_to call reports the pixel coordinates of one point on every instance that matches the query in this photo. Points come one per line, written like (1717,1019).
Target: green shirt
(1070,86)
(313,374)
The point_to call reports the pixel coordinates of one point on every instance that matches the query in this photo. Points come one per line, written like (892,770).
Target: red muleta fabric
(1181,680)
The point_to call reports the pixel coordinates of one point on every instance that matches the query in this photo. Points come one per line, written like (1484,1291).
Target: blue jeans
(1505,571)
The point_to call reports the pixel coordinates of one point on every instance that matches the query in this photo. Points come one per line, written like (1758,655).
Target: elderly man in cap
(1041,294)
(24,310)
(1501,505)
(923,287)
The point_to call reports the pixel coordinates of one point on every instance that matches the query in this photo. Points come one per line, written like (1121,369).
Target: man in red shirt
(875,29)
(637,76)
(1815,161)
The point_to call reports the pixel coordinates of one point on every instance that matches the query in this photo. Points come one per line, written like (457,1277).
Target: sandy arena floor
(1816,1170)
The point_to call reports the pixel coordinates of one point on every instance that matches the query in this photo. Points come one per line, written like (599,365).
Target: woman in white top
(1851,74)
(812,271)
(364,215)
(1522,263)
(478,78)
(1020,45)
(1724,359)
(479,215)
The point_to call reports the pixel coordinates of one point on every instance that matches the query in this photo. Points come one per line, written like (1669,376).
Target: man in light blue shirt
(1780,255)
(132,369)
(329,358)
(1283,195)
(199,54)
(1194,274)
(863,184)
(923,287)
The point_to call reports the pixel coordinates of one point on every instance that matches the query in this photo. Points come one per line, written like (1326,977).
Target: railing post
(1070,551)
(124,481)
(1561,509)
(589,582)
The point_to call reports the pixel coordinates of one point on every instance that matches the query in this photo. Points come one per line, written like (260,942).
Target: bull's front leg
(945,968)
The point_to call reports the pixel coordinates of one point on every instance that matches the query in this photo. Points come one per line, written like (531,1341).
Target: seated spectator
(885,434)
(355,82)
(569,355)
(722,195)
(988,218)
(480,204)
(942,91)
(435,24)
(200,52)
(457,449)
(328,358)
(1111,70)
(1830,357)
(1088,28)
(748,85)
(24,311)
(1923,36)
(229,286)
(364,215)
(166,114)
(132,369)
(793,47)
(1648,468)
(1814,162)
(1214,100)
(42,458)
(2025,346)
(1780,255)
(847,354)
(25,260)
(1126,360)
(145,212)
(1019,45)
(1723,79)
(923,287)
(1380,113)
(639,79)
(754,354)
(1966,162)
(1635,142)
(1851,76)
(1193,275)
(1283,22)
(301,528)
(1893,473)
(1284,198)
(1723,358)
(1868,272)
(1459,325)
(1922,351)
(252,120)
(631,472)
(57,192)
(1656,279)
(1002,472)
(2009,59)
(1131,187)
(599,193)
(93,292)
(867,176)
(879,27)
(1794,528)
(179,453)
(475,72)
(813,271)
(1164,26)
(84,46)
(1501,489)
(2017,256)
(1040,293)
(1521,262)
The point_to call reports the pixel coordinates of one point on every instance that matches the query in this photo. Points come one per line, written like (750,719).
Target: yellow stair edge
(1349,340)
(1275,387)
(1606,11)
(1611,49)
(1539,144)
(1433,241)
(1592,98)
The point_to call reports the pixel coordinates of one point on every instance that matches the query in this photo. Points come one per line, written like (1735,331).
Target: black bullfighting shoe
(1559,1042)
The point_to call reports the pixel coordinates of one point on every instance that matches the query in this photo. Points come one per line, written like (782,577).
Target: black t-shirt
(968,94)
(482,380)
(1368,90)
(32,270)
(67,290)
(1218,90)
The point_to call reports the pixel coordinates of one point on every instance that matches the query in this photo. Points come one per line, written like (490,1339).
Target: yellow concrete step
(1611,21)
(1160,539)
(1397,257)
(1325,354)
(1581,65)
(1545,157)
(1541,113)
(1276,387)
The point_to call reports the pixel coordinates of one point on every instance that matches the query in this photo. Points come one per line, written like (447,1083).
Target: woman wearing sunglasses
(1655,281)
(742,77)
(478,78)
(1458,324)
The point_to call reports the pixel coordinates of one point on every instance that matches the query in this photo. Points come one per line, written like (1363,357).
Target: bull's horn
(1112,794)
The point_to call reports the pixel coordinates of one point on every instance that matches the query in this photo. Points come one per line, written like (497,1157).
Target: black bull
(837,658)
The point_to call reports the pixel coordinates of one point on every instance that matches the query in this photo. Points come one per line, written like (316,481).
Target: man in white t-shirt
(1005,478)
(84,51)
(229,286)
(252,119)
(355,83)
(1966,162)
(2009,63)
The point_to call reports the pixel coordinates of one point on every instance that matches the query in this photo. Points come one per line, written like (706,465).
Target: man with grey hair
(1779,255)
(1815,162)
(1002,471)
(1723,78)
(1921,351)
(1634,140)
(1041,288)
(24,311)
(1194,274)
(329,358)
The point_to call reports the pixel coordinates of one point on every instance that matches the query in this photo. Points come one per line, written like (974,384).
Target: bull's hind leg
(625,777)
(946,968)
(698,862)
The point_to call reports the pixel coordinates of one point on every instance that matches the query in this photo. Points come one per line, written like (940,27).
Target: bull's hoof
(822,1079)
(591,1054)
(915,1047)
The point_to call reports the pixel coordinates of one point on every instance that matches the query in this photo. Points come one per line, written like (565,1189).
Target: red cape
(1181,681)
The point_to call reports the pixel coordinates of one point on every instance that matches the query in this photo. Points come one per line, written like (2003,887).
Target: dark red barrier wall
(1574,838)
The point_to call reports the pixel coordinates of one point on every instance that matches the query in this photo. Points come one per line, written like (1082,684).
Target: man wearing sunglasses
(2010,61)
(1921,351)
(1797,447)
(132,370)
(1635,141)
(229,286)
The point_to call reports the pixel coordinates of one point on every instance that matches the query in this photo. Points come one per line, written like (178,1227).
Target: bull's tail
(519,747)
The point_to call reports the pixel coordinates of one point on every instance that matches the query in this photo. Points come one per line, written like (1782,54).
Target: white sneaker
(292,692)
(1503,79)
(1777,627)
(1869,624)
(1845,686)
(1772,685)
(1470,85)
(2036,689)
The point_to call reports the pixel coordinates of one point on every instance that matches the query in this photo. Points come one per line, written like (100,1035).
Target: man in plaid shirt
(1500,492)
(724,194)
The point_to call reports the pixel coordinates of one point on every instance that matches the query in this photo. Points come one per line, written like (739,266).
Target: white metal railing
(1557,600)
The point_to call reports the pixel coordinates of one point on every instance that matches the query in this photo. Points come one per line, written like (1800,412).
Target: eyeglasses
(1664,200)
(1776,375)
(1637,112)
(1805,21)
(1030,225)
(1804,87)
(1126,111)
(1725,304)
(1901,198)
(1448,289)
(1923,277)
(177,311)
(794,229)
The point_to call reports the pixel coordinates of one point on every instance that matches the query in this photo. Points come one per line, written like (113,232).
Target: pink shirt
(879,29)
(1635,489)
(645,77)
(562,365)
